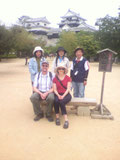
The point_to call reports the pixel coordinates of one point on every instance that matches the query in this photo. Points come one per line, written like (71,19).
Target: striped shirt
(43,82)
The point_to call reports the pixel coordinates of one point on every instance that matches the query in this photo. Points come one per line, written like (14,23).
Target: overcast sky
(11,10)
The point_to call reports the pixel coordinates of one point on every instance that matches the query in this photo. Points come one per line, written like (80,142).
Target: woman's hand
(61,97)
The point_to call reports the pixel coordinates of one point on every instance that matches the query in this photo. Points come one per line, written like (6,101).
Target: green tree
(69,41)
(87,41)
(24,42)
(16,39)
(50,49)
(109,32)
(5,40)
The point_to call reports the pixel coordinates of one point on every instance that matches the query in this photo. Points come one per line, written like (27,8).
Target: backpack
(50,75)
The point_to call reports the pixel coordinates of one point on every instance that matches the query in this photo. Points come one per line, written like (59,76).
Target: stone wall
(50,42)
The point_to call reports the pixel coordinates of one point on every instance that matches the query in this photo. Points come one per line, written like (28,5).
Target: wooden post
(105,65)
(102,90)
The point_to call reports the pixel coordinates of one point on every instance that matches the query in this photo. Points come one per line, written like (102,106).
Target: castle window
(28,25)
(69,18)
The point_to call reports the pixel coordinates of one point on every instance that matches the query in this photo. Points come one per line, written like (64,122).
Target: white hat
(61,65)
(38,48)
(45,61)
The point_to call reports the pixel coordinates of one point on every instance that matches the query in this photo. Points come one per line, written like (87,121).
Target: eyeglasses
(61,69)
(44,65)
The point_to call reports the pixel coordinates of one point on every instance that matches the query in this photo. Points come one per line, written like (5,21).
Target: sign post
(102,90)
(106,58)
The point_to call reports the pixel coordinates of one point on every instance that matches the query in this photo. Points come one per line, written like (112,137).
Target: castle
(71,21)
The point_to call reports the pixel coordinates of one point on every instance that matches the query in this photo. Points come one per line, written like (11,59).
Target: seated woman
(61,87)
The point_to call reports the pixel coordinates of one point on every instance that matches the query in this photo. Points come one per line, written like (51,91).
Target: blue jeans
(78,89)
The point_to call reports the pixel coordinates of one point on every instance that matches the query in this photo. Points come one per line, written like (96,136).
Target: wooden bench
(82,105)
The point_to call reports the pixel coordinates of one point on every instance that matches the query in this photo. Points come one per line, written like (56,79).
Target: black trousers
(60,103)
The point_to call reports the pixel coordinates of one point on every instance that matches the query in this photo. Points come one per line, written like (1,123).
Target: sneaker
(66,125)
(50,119)
(57,121)
(38,117)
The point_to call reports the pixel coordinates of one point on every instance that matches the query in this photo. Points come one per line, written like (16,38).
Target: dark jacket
(79,74)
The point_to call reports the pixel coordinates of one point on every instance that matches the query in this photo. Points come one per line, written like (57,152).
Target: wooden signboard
(105,62)
(106,57)
(105,65)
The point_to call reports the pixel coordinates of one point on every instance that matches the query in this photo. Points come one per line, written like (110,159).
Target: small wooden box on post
(106,59)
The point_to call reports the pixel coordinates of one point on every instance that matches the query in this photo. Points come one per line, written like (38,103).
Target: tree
(5,40)
(87,41)
(68,40)
(16,39)
(109,33)
(24,42)
(83,39)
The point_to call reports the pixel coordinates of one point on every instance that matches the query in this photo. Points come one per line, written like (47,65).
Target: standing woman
(61,87)
(60,58)
(35,62)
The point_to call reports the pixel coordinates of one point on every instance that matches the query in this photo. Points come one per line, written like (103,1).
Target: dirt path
(86,139)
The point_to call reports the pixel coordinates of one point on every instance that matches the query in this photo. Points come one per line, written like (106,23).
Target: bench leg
(83,111)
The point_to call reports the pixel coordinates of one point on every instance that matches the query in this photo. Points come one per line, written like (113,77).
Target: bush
(8,56)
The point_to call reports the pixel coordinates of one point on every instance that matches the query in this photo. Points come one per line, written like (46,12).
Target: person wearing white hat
(61,87)
(35,62)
